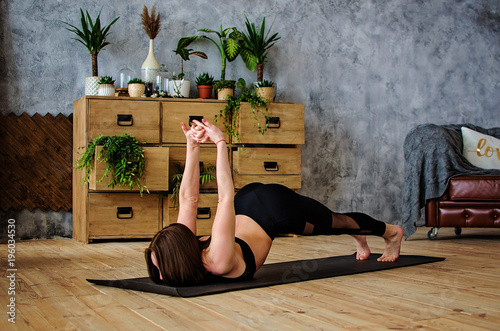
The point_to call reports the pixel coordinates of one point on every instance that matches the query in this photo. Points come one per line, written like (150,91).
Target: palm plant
(91,35)
(228,45)
(256,43)
(185,52)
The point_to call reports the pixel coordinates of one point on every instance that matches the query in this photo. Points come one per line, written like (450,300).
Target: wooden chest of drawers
(100,212)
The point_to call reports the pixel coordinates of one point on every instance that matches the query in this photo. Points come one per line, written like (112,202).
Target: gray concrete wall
(367,72)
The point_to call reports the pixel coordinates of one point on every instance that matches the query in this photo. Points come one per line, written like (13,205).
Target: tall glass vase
(149,69)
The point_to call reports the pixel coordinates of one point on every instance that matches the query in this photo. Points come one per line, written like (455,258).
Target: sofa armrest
(474,188)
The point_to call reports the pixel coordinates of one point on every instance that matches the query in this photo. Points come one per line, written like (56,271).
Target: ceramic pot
(136,90)
(266,93)
(205,91)
(106,90)
(179,88)
(222,94)
(92,85)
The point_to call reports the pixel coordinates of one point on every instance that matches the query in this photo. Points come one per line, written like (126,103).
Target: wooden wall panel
(36,162)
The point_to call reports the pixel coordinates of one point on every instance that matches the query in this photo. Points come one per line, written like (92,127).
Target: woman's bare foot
(392,236)
(363,251)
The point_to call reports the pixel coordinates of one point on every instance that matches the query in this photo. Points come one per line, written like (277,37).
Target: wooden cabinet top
(160,99)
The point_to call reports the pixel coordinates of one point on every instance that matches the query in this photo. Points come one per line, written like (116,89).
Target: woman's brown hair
(178,255)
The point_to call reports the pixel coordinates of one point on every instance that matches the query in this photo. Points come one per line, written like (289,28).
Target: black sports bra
(250,266)
(249,260)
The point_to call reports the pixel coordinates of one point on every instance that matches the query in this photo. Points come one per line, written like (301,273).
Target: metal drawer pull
(124,213)
(273,122)
(124,120)
(271,166)
(194,117)
(203,213)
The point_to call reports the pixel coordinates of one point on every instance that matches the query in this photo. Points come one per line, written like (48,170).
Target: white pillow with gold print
(481,150)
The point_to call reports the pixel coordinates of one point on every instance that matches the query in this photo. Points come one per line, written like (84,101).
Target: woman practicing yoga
(245,224)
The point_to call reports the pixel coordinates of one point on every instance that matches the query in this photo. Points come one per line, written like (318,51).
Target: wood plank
(459,293)
(290,130)
(175,112)
(44,141)
(144,122)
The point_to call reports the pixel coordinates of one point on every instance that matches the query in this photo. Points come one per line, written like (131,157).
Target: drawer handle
(271,166)
(124,120)
(203,213)
(124,213)
(273,122)
(194,117)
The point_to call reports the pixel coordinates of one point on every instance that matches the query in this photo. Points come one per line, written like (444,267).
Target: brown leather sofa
(468,201)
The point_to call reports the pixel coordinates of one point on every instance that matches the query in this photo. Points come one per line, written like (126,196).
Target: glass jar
(124,75)
(160,85)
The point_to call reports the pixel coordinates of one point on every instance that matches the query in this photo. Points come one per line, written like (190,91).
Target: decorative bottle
(149,69)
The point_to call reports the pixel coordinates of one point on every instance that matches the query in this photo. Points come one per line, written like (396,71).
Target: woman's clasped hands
(201,132)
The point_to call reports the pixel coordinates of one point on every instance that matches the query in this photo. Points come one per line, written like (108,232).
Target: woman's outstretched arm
(221,253)
(189,191)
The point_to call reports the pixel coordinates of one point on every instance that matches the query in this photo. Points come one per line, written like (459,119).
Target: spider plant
(256,43)
(91,35)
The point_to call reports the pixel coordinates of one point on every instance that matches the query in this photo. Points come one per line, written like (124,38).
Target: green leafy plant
(207,175)
(229,114)
(265,83)
(91,35)
(204,79)
(255,46)
(185,52)
(228,45)
(136,81)
(106,80)
(125,160)
(219,85)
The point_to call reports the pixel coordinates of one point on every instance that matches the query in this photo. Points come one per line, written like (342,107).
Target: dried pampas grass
(151,24)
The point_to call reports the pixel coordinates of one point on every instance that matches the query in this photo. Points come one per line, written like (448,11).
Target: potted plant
(255,46)
(265,89)
(204,83)
(228,45)
(124,156)
(93,37)
(224,89)
(106,86)
(181,87)
(136,87)
(229,114)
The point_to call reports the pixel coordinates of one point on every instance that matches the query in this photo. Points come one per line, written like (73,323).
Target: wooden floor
(460,293)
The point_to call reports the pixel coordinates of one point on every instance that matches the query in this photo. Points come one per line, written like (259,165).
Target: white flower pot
(179,88)
(106,90)
(92,85)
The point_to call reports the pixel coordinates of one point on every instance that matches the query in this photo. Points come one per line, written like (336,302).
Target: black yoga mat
(275,274)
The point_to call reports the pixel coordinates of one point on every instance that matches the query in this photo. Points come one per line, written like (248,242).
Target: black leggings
(279,210)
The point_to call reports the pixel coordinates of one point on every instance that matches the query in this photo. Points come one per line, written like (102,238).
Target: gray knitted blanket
(433,155)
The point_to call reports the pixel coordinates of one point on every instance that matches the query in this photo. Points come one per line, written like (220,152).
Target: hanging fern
(125,160)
